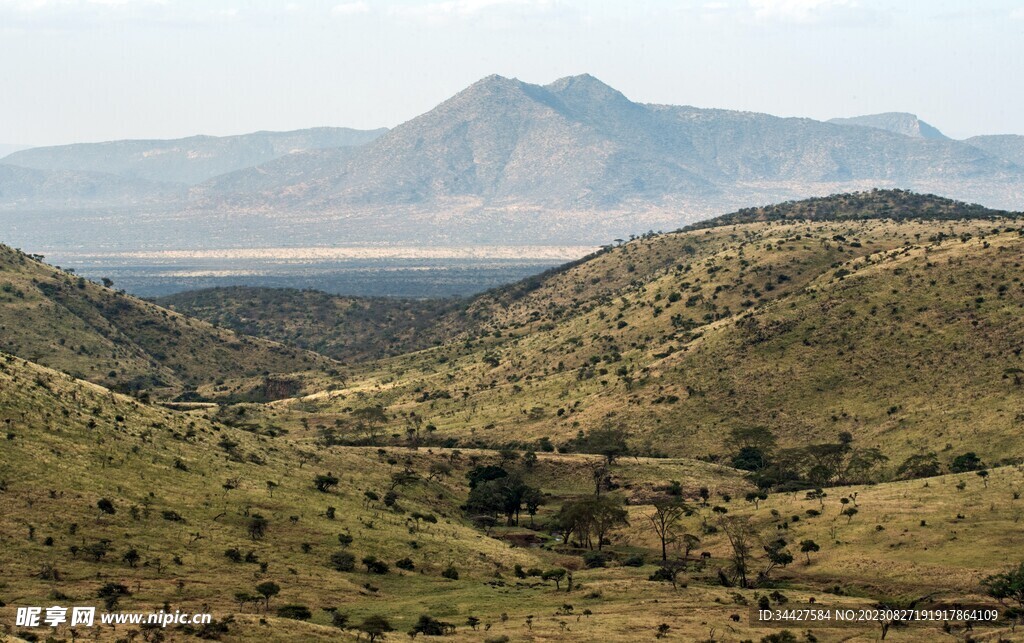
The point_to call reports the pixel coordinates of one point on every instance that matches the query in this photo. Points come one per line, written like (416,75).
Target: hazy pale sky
(89,70)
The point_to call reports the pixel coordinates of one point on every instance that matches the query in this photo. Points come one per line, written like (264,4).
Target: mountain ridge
(897,122)
(573,160)
(188,160)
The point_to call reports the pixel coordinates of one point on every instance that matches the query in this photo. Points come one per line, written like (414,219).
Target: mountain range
(503,160)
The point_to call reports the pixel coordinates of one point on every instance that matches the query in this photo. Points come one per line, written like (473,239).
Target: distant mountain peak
(898,122)
(585,86)
(494,81)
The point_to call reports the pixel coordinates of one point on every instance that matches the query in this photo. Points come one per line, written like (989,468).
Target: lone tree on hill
(375,627)
(608,441)
(106,506)
(324,483)
(807,547)
(557,575)
(268,590)
(1007,586)
(665,520)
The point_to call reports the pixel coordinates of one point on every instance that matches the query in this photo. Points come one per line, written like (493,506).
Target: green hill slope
(343,328)
(102,495)
(94,333)
(906,333)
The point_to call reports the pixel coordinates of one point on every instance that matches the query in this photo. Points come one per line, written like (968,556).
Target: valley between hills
(820,399)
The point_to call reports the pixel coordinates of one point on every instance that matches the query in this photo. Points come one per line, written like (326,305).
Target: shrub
(634,560)
(430,626)
(593,559)
(966,462)
(451,573)
(343,561)
(405,563)
(297,612)
(375,565)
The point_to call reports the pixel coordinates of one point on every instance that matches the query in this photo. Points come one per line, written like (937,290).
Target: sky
(91,70)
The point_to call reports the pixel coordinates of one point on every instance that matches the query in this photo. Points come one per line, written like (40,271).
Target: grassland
(71,444)
(95,333)
(893,332)
(347,329)
(905,334)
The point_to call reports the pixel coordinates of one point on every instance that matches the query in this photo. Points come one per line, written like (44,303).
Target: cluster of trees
(817,465)
(610,442)
(495,491)
(590,520)
(754,449)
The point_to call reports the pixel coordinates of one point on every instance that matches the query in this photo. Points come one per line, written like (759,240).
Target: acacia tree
(324,483)
(504,495)
(369,420)
(533,498)
(807,547)
(268,590)
(1008,585)
(591,518)
(669,571)
(609,441)
(742,537)
(557,574)
(688,542)
(776,555)
(668,512)
(375,627)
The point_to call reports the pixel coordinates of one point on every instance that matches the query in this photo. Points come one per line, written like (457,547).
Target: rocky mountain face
(577,144)
(509,161)
(896,122)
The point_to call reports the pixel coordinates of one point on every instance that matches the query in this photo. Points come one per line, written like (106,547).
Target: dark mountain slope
(343,328)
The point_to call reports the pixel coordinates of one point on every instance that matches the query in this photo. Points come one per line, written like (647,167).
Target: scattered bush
(296,612)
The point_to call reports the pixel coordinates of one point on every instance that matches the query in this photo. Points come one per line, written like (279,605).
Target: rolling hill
(343,328)
(1008,146)
(857,329)
(181,512)
(35,188)
(104,336)
(902,329)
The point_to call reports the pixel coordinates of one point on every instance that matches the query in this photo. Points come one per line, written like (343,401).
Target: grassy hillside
(904,333)
(184,492)
(95,333)
(343,328)
(508,477)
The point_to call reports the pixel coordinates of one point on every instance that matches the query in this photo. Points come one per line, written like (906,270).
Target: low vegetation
(647,444)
